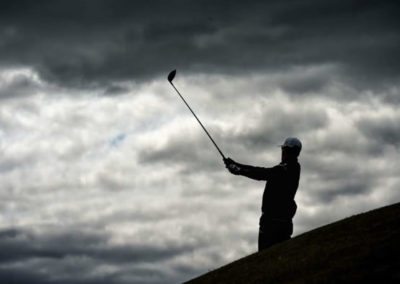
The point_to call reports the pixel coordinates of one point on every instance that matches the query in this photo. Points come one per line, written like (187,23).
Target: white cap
(292,142)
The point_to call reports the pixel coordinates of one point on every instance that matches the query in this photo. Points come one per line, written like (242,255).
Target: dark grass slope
(361,249)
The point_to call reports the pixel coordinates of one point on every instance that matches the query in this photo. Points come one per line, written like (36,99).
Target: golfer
(278,205)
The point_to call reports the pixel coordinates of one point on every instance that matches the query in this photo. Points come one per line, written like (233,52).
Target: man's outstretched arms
(257,173)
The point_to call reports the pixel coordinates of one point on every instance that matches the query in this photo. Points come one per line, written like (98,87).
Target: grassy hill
(360,249)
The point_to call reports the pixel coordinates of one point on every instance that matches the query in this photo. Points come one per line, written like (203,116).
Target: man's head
(291,149)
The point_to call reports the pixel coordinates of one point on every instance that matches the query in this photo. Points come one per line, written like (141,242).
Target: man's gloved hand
(232,166)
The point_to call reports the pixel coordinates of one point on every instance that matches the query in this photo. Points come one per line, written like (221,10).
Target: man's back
(280,190)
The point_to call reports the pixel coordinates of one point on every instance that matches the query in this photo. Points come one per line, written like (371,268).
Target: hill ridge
(360,248)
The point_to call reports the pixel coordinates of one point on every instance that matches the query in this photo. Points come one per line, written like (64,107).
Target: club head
(171,76)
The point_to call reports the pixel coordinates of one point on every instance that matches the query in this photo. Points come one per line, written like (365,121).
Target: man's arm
(257,173)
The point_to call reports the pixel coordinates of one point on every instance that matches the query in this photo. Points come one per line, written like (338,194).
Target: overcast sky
(107,178)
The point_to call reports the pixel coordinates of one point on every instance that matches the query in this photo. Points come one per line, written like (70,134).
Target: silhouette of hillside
(360,249)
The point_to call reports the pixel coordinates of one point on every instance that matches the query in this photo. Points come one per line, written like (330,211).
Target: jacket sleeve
(257,173)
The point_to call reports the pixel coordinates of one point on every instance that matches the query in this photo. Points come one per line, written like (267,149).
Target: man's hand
(232,166)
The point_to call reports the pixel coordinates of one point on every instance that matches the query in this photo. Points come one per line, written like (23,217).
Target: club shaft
(198,120)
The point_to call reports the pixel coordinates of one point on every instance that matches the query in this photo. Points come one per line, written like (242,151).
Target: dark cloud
(9,234)
(17,245)
(114,90)
(97,42)
(304,84)
(295,122)
(348,188)
(20,276)
(51,251)
(340,181)
(17,86)
(384,130)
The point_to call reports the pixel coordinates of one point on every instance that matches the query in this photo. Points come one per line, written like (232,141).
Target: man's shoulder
(280,167)
(287,166)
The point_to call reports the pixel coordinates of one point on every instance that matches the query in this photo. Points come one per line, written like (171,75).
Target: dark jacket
(282,183)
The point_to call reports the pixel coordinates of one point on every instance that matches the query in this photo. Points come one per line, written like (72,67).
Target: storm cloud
(98,42)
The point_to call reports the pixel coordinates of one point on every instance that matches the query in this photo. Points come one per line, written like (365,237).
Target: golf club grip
(198,120)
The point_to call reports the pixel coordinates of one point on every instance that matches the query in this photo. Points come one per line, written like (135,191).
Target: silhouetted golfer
(278,205)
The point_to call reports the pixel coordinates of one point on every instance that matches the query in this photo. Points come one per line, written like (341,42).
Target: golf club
(171,77)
